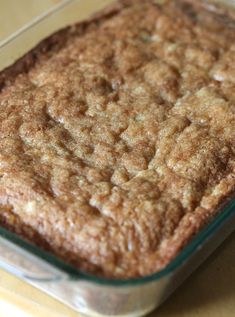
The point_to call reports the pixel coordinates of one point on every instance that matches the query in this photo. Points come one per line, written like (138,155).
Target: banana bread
(117,135)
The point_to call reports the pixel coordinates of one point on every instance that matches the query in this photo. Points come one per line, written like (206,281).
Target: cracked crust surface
(117,139)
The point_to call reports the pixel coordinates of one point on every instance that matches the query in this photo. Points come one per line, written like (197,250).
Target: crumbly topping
(117,148)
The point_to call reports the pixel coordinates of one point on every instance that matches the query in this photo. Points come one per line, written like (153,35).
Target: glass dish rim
(76,274)
(36,20)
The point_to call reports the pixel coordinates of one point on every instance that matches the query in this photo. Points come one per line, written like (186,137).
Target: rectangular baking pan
(90,295)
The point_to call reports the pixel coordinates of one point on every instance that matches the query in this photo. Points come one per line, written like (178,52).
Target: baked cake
(117,135)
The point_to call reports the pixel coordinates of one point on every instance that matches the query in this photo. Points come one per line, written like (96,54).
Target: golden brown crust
(117,135)
(54,43)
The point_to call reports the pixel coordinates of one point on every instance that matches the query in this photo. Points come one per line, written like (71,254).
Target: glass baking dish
(90,295)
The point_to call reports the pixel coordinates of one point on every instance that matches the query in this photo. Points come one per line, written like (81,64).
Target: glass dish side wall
(99,297)
(21,17)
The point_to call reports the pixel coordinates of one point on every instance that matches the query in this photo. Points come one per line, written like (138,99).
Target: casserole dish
(92,295)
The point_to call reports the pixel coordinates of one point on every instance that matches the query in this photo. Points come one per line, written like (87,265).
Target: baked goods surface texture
(117,136)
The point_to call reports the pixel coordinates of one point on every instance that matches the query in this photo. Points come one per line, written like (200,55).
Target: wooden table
(210,292)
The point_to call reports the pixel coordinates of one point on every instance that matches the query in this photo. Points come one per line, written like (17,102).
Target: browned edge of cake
(56,41)
(51,44)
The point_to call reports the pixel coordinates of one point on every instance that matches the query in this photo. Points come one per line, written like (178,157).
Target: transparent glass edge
(34,21)
(76,274)
(28,37)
